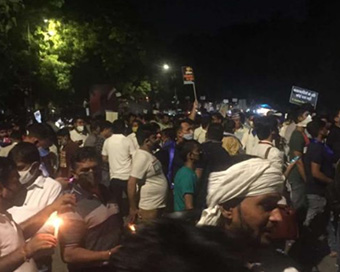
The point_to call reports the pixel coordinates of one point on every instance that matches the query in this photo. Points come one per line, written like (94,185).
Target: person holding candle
(91,234)
(16,254)
(41,191)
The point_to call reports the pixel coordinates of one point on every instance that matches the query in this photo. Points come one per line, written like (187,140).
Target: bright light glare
(45,20)
(262,111)
(51,32)
(166,67)
(132,228)
(55,221)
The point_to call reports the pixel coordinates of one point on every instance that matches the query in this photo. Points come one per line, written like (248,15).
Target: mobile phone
(295,159)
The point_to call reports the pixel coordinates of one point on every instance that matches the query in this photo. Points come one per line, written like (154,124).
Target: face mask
(188,136)
(26,176)
(80,128)
(43,152)
(134,129)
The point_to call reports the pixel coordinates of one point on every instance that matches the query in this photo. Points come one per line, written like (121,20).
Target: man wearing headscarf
(243,200)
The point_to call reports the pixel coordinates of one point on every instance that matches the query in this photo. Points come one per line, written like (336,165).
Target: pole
(194,88)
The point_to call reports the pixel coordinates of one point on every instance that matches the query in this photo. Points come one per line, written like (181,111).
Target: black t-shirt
(215,158)
(333,141)
(318,153)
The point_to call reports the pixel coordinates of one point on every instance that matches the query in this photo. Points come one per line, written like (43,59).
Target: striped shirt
(94,225)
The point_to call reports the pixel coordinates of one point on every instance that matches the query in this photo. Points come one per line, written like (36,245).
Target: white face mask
(26,176)
(80,128)
(188,136)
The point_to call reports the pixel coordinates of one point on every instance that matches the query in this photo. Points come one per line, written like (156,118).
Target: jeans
(298,195)
(105,178)
(316,205)
(117,187)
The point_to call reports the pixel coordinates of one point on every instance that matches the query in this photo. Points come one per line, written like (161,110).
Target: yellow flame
(56,222)
(132,227)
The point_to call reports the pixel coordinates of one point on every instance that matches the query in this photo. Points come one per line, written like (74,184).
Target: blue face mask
(43,152)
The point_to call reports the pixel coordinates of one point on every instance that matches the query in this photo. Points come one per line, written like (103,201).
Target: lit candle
(132,227)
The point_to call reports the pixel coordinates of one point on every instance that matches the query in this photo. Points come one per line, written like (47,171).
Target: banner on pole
(300,96)
(188,75)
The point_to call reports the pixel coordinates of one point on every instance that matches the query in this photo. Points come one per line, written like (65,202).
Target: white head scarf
(248,178)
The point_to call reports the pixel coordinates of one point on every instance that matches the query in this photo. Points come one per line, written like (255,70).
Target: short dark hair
(138,122)
(187,147)
(63,132)
(205,121)
(180,122)
(265,126)
(173,245)
(296,114)
(118,127)
(7,165)
(40,131)
(215,132)
(170,133)
(315,126)
(104,125)
(217,115)
(84,154)
(24,152)
(144,132)
(16,135)
(94,125)
(229,126)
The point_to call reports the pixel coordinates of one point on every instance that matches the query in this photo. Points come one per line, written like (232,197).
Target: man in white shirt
(201,132)
(267,130)
(240,129)
(250,139)
(118,151)
(147,173)
(79,133)
(16,254)
(41,191)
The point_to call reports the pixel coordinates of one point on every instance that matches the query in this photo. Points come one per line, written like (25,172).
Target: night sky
(175,17)
(252,49)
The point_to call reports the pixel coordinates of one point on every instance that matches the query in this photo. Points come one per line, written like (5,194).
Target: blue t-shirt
(185,183)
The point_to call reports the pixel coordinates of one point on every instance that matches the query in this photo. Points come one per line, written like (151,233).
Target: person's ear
(226,213)
(147,141)
(190,156)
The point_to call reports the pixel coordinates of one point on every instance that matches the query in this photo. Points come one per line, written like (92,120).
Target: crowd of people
(171,193)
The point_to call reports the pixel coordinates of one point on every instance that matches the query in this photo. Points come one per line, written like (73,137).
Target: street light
(166,67)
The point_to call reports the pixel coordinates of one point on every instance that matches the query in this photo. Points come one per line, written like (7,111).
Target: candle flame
(132,227)
(56,222)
